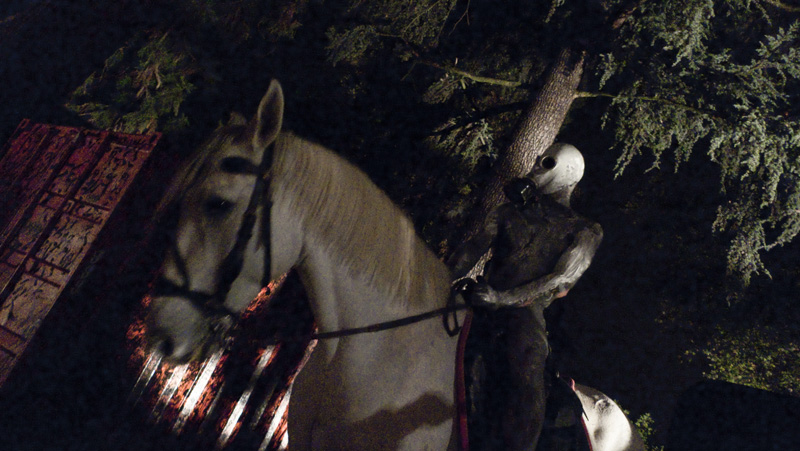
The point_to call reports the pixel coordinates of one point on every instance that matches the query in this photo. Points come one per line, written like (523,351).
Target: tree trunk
(536,133)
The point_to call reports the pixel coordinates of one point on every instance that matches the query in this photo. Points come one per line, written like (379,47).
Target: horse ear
(269,118)
(237,119)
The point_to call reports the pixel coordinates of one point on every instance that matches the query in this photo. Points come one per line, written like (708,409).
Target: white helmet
(559,167)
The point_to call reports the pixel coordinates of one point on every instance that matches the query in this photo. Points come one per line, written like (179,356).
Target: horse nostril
(166,347)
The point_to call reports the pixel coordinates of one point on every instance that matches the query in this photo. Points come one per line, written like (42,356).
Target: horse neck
(366,279)
(343,298)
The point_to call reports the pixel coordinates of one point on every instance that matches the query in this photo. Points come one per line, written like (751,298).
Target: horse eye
(548,163)
(238,165)
(217,206)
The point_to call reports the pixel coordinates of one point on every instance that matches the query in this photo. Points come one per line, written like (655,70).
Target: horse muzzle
(181,333)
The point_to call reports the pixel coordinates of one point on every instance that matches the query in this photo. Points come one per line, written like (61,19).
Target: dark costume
(540,249)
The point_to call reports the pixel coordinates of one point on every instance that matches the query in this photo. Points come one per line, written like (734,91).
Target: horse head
(213,267)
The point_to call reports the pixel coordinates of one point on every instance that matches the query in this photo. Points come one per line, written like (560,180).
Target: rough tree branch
(473,77)
(538,129)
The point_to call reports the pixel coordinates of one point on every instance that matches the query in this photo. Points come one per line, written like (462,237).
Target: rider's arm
(569,268)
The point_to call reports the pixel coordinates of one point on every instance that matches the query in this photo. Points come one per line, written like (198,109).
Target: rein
(394,324)
(450,322)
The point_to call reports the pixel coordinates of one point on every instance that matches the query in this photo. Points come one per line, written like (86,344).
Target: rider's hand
(484,295)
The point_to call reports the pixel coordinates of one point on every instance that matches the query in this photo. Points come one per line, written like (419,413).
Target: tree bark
(537,131)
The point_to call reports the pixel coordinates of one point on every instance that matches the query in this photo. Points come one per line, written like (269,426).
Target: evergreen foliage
(716,76)
(242,20)
(645,425)
(144,84)
(139,90)
(682,77)
(413,24)
(764,358)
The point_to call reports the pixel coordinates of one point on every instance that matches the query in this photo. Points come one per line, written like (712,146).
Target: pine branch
(482,115)
(783,6)
(695,110)
(473,77)
(626,13)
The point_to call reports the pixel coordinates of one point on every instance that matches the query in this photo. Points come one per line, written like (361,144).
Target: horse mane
(355,222)
(341,210)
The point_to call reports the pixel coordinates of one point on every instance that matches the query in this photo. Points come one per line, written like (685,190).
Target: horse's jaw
(175,330)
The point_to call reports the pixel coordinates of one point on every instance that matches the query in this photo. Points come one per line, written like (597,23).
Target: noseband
(212,305)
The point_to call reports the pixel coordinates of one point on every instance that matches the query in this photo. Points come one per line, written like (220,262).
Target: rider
(541,247)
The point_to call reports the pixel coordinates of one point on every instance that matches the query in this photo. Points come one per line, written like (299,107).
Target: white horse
(359,259)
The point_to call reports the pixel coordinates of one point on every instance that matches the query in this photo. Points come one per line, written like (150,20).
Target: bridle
(212,305)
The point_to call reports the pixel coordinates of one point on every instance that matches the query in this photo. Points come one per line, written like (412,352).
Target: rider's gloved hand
(483,295)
